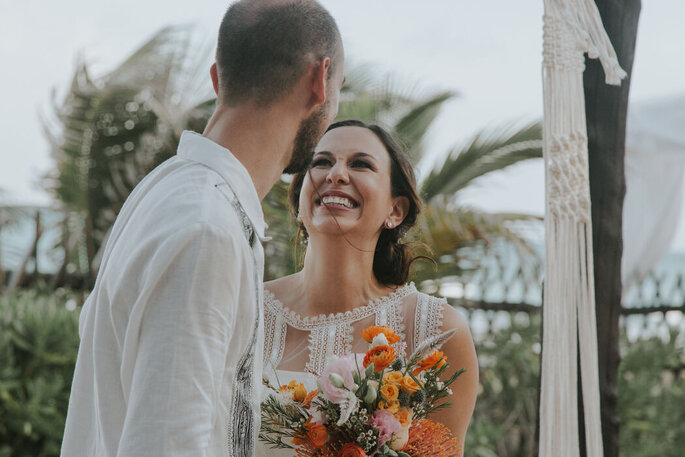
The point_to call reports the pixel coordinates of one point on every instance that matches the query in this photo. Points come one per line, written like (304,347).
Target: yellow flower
(404,416)
(409,385)
(392,406)
(393,377)
(390,392)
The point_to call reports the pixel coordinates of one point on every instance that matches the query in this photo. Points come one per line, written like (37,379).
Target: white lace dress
(298,348)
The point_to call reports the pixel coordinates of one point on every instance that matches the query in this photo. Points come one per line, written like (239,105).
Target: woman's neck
(337,277)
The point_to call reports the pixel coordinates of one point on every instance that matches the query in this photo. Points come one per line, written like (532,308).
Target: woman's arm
(460,353)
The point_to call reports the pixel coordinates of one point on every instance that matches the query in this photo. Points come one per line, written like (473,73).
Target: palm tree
(446,226)
(111,131)
(10,215)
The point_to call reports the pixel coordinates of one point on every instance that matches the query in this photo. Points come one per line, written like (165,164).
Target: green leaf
(487,152)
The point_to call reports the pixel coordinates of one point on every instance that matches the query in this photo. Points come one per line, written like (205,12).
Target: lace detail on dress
(329,335)
(326,342)
(308,323)
(428,317)
(275,329)
(392,317)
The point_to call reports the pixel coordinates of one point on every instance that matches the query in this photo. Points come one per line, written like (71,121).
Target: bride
(353,206)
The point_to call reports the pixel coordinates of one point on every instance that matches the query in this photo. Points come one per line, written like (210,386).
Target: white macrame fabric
(571,29)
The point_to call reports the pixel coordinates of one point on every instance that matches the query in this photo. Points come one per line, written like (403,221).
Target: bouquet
(373,404)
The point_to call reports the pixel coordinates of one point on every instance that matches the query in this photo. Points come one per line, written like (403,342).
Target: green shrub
(39,343)
(652,396)
(503,423)
(38,347)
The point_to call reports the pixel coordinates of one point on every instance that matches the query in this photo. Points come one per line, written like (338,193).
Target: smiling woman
(354,205)
(361,188)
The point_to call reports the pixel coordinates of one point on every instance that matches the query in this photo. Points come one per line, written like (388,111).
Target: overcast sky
(489,51)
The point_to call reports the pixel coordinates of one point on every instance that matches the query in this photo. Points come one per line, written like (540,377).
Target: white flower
(336,380)
(399,439)
(284,398)
(379,340)
(348,405)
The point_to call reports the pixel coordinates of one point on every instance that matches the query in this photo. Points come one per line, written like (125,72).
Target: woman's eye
(321,163)
(361,164)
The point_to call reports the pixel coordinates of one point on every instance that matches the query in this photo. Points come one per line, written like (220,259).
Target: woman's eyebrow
(364,155)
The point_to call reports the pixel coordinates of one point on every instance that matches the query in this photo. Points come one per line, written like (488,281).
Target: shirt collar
(198,148)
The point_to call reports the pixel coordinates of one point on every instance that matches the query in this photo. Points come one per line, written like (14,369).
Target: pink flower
(345,368)
(386,424)
(318,417)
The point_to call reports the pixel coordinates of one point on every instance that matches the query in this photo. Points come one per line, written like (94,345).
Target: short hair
(264,48)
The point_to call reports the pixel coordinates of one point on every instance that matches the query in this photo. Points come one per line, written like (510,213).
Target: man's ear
(215,78)
(319,81)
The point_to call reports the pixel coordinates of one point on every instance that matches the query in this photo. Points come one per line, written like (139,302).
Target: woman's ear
(400,209)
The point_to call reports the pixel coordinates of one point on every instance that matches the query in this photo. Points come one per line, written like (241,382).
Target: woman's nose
(338,174)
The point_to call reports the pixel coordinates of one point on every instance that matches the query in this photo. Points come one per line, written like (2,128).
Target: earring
(388,224)
(298,217)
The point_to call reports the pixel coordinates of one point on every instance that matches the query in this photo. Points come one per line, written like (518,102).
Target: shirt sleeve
(177,342)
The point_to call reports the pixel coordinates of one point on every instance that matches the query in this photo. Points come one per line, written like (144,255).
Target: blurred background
(94,94)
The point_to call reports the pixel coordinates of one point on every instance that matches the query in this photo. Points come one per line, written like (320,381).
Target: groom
(171,336)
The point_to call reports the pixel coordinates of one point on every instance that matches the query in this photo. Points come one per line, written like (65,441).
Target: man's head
(267,47)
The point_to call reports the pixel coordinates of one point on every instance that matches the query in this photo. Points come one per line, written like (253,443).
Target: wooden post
(606,109)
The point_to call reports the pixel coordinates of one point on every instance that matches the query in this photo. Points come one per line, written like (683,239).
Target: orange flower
(369,333)
(296,388)
(437,359)
(409,385)
(351,450)
(310,396)
(404,416)
(393,377)
(390,391)
(381,357)
(392,406)
(431,438)
(318,435)
(299,439)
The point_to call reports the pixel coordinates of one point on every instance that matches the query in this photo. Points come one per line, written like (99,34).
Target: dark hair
(392,258)
(264,49)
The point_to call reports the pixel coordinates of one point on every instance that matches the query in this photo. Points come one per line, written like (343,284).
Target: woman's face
(349,181)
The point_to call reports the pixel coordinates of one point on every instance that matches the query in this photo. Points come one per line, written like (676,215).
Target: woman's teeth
(330,200)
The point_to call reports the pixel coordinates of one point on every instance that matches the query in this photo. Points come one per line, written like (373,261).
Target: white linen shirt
(170,360)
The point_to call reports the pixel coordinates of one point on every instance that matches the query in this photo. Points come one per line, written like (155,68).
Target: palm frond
(413,126)
(486,152)
(459,237)
(110,131)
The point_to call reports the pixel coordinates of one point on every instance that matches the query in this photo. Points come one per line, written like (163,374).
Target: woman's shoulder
(445,315)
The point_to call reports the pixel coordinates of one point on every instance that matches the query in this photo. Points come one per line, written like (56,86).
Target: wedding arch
(572,28)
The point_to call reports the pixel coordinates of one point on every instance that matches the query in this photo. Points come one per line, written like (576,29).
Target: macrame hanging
(571,29)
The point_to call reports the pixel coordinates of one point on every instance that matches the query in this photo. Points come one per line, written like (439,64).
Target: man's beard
(308,135)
